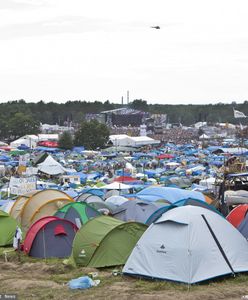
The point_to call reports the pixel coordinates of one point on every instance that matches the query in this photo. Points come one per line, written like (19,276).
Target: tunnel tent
(16,209)
(105,241)
(29,208)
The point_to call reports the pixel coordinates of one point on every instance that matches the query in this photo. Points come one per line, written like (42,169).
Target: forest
(19,117)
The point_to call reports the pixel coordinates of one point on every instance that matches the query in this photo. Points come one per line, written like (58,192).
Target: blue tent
(168,193)
(23,147)
(158,213)
(78,149)
(92,191)
(4,158)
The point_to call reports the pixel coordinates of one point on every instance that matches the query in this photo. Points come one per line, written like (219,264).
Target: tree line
(18,118)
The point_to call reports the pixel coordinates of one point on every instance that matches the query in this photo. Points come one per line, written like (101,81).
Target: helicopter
(155,27)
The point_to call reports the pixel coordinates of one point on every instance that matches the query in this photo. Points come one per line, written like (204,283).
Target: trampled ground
(40,279)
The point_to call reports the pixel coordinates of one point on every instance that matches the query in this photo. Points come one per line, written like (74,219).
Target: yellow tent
(29,208)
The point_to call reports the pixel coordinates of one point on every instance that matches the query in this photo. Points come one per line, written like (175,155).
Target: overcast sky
(59,50)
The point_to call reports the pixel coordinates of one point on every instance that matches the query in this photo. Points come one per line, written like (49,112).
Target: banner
(238,114)
(22,185)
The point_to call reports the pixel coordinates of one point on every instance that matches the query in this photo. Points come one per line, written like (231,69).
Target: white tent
(51,166)
(189,244)
(117,200)
(204,136)
(116,186)
(133,141)
(23,141)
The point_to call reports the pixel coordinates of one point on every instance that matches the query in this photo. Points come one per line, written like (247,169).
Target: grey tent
(135,210)
(243,227)
(88,198)
(189,244)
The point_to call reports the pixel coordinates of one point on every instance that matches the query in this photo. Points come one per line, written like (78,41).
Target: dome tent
(187,245)
(88,198)
(170,194)
(105,241)
(116,200)
(77,212)
(50,237)
(161,210)
(103,206)
(7,229)
(237,215)
(135,210)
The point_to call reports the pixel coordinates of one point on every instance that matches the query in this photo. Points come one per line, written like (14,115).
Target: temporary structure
(29,208)
(135,210)
(236,216)
(105,241)
(51,167)
(88,198)
(77,212)
(170,194)
(116,200)
(161,210)
(243,227)
(7,229)
(50,237)
(189,244)
(116,186)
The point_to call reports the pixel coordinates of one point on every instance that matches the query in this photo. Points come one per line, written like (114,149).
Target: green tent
(105,241)
(101,206)
(77,212)
(7,229)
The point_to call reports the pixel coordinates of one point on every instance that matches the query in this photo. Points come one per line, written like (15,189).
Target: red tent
(6,148)
(126,179)
(165,155)
(237,215)
(51,144)
(50,237)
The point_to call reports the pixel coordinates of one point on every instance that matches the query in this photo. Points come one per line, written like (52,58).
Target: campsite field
(40,279)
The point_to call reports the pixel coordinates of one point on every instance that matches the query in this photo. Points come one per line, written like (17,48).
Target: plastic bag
(84,282)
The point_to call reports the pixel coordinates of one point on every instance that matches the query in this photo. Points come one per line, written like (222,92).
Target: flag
(238,114)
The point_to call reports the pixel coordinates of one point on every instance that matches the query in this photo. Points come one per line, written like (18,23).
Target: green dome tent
(105,241)
(77,212)
(7,229)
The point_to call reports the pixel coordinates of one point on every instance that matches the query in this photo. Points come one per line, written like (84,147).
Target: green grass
(59,272)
